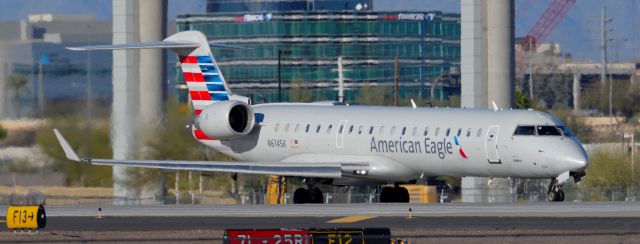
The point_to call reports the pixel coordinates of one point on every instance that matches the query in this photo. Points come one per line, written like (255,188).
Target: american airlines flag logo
(204,81)
(293,143)
(462,154)
(205,84)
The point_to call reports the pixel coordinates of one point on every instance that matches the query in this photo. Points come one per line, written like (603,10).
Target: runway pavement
(441,223)
(590,209)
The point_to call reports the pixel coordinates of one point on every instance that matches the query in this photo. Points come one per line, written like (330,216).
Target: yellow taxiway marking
(351,219)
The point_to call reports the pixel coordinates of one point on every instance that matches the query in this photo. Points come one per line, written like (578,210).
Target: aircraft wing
(299,169)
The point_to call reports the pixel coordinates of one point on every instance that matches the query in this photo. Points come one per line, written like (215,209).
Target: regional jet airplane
(337,144)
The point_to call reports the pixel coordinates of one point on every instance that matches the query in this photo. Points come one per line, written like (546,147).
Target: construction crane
(547,22)
(541,30)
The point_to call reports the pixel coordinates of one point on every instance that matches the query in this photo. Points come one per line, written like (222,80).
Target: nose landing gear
(555,193)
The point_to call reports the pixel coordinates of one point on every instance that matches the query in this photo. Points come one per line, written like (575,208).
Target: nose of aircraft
(577,158)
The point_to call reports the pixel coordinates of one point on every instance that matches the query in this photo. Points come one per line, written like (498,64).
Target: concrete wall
(473,53)
(487,70)
(153,20)
(125,96)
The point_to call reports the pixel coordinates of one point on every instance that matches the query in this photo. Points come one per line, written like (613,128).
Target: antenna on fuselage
(495,107)
(413,104)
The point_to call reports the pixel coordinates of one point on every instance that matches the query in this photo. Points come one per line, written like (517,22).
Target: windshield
(565,131)
(525,130)
(546,130)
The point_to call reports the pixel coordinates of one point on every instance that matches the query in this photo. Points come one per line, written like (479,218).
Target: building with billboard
(427,45)
(238,6)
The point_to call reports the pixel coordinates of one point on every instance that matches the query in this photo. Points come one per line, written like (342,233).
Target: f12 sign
(268,236)
(308,236)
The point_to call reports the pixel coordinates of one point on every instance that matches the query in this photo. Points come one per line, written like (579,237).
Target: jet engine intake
(226,119)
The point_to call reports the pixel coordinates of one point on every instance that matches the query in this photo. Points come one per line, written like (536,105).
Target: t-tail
(205,82)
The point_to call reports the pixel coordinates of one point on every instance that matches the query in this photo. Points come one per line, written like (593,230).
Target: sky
(577,34)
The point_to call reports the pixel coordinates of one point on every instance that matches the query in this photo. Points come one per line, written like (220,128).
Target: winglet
(413,104)
(68,151)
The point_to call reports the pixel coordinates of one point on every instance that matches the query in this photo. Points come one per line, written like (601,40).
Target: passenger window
(448,132)
(329,129)
(350,129)
(393,130)
(277,125)
(371,130)
(527,130)
(318,128)
(286,127)
(404,129)
(468,132)
(459,132)
(297,128)
(306,130)
(548,131)
(479,132)
(360,130)
(340,129)
(381,130)
(437,131)
(426,131)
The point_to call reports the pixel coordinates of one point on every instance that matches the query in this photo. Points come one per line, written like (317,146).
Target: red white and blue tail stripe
(204,81)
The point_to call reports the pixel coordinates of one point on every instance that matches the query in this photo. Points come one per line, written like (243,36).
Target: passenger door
(491,145)
(340,131)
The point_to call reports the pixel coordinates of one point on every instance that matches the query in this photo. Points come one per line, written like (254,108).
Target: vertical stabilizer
(201,73)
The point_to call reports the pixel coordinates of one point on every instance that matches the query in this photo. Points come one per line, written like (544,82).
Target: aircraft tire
(387,195)
(552,196)
(560,197)
(301,196)
(401,194)
(316,196)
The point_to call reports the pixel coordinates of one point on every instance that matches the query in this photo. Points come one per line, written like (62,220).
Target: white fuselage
(402,144)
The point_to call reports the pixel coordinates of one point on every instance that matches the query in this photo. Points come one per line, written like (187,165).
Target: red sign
(274,236)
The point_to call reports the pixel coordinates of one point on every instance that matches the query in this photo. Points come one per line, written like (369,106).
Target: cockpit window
(545,130)
(525,130)
(565,131)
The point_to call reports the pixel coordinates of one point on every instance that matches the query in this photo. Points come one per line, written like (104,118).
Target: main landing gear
(394,194)
(302,196)
(555,193)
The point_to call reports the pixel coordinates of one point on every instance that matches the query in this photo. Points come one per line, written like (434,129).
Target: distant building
(241,6)
(426,43)
(42,39)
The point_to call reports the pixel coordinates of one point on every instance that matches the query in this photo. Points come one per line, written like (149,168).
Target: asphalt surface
(590,209)
(440,223)
(589,224)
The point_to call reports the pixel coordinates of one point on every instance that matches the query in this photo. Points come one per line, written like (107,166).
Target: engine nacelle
(226,119)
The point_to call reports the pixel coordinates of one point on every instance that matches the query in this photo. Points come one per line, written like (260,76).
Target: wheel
(301,196)
(387,194)
(551,196)
(316,196)
(560,196)
(401,194)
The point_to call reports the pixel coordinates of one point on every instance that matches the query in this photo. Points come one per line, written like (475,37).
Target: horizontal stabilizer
(153,45)
(139,45)
(225,46)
